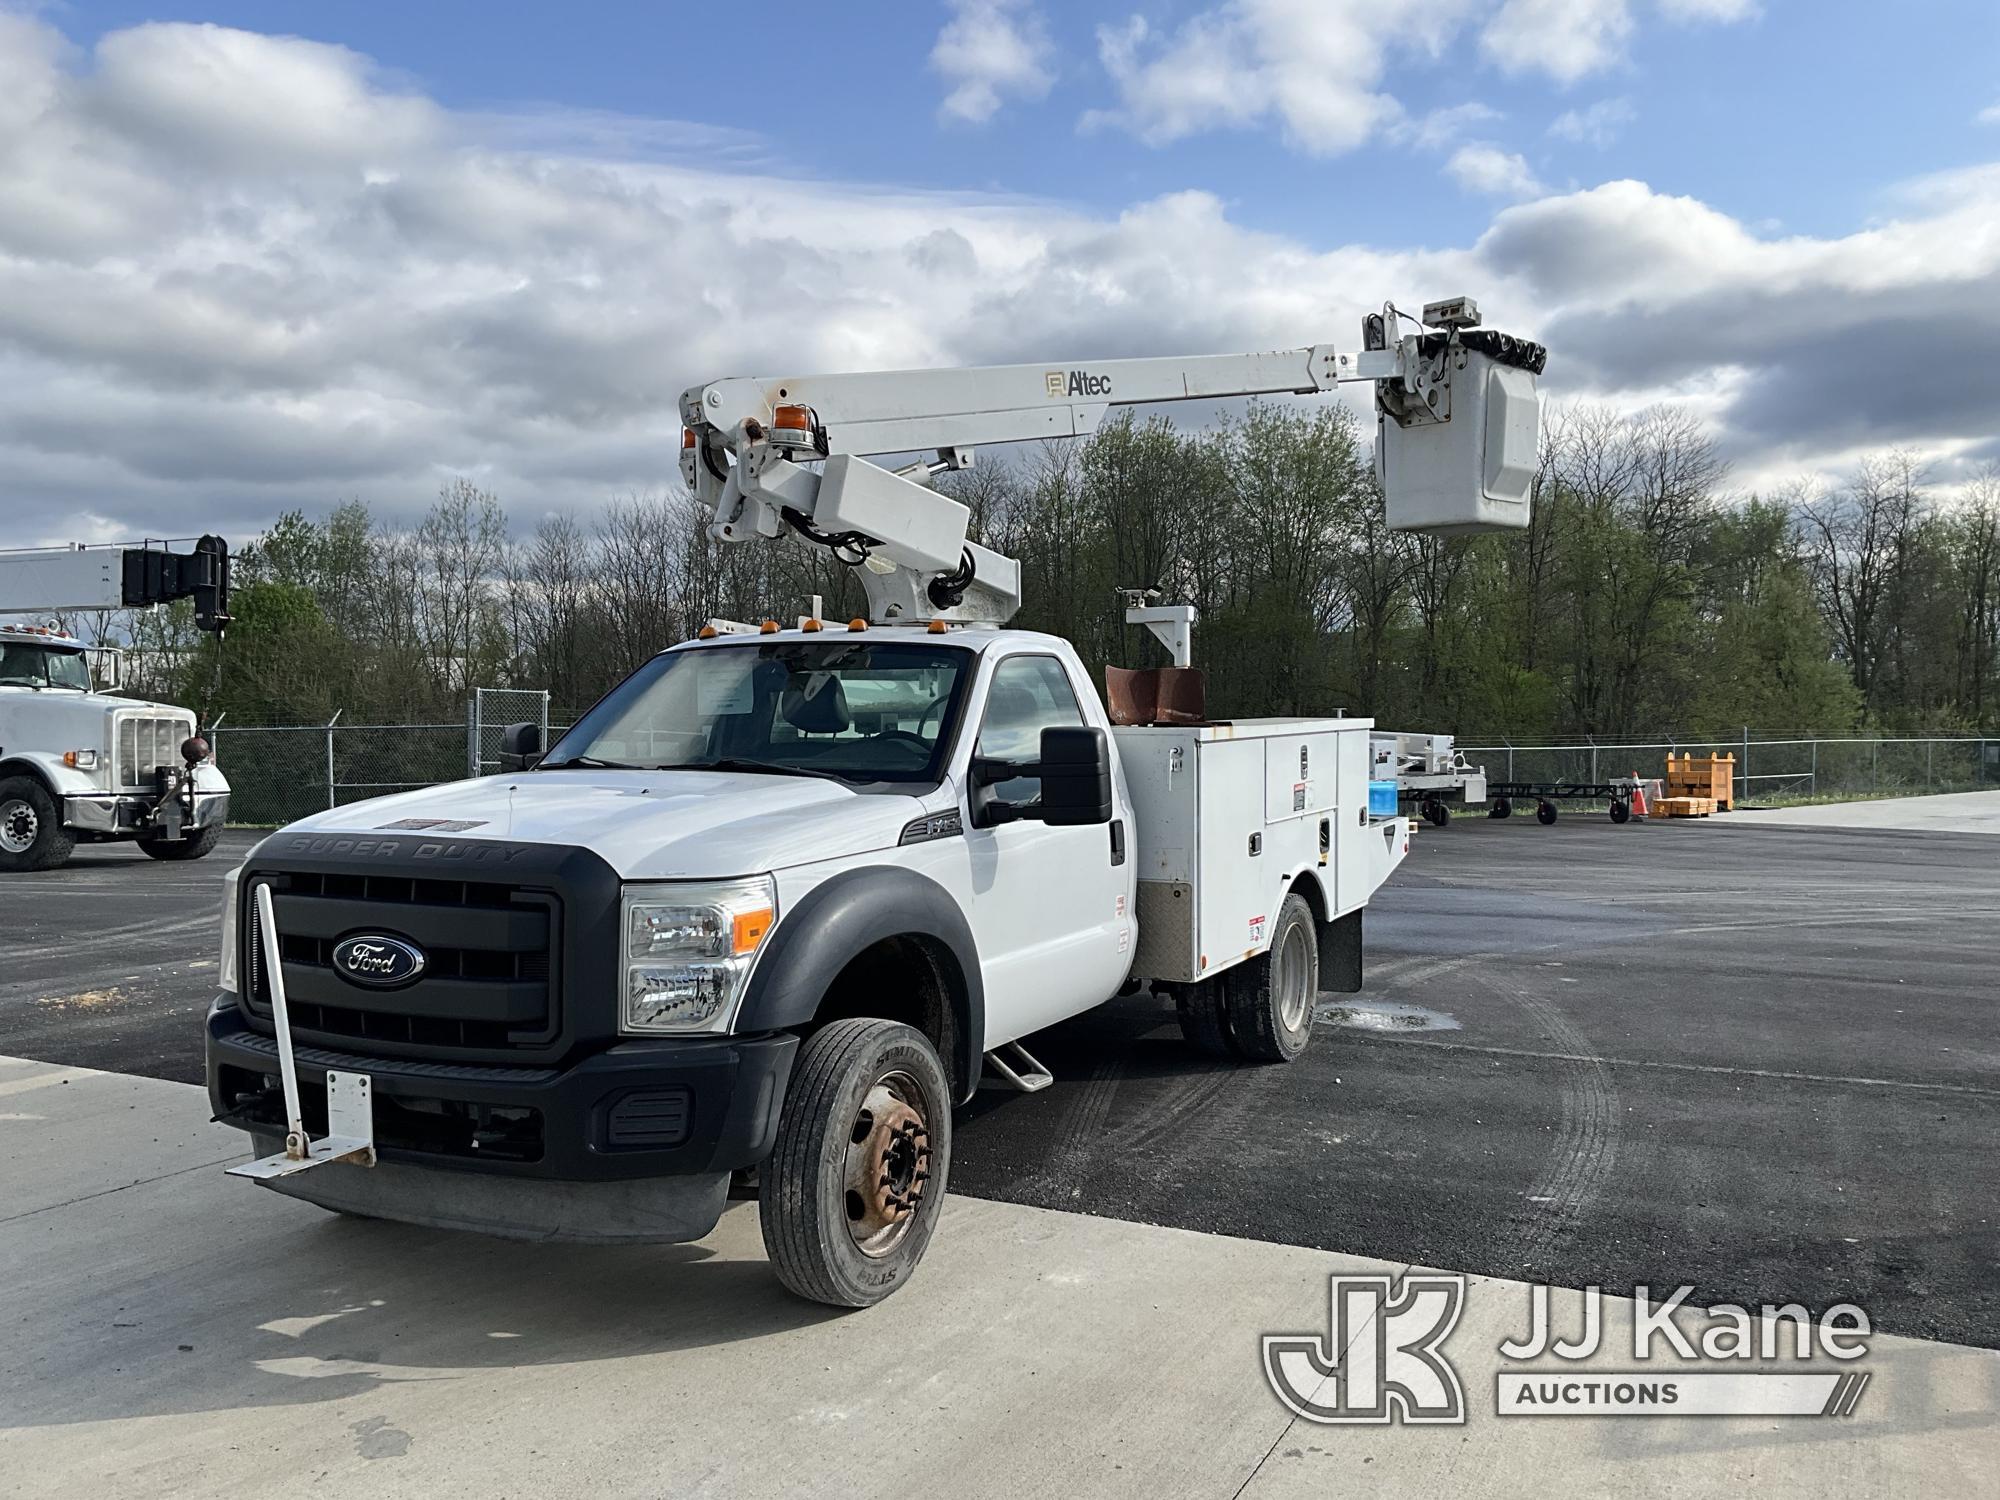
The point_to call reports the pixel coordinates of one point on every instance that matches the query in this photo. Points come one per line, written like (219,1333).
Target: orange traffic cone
(1638,797)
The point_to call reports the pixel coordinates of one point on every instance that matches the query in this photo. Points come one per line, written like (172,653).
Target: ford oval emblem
(377,961)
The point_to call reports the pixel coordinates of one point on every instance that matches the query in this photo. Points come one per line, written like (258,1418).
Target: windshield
(38,666)
(855,710)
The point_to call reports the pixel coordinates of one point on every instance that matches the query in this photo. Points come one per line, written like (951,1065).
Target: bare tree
(1857,540)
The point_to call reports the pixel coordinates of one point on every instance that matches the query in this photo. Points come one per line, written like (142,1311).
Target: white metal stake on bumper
(350,1113)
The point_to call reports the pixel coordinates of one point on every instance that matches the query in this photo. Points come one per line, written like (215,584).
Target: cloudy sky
(268,254)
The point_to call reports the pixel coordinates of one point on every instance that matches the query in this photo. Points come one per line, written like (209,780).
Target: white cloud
(1710,10)
(989,50)
(1441,127)
(1321,69)
(1990,115)
(209,312)
(1482,167)
(1312,66)
(1566,39)
(1597,126)
(1572,39)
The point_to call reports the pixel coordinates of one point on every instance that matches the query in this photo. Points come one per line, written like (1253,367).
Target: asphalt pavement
(1758,1059)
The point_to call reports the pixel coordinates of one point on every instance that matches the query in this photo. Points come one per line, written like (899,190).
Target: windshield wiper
(590,763)
(730,763)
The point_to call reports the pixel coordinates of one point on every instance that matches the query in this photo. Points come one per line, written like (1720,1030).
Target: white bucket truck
(777,903)
(82,766)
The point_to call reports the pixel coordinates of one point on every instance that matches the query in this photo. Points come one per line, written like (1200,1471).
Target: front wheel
(1501,808)
(32,836)
(1271,996)
(854,1186)
(196,845)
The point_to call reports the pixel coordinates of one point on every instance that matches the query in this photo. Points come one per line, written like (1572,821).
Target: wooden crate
(1711,776)
(1682,807)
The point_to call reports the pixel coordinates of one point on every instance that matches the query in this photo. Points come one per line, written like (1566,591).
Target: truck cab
(82,766)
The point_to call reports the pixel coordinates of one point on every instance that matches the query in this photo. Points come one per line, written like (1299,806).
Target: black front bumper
(638,1108)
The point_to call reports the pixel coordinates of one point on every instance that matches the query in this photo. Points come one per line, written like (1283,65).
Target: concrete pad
(112,1130)
(188,1333)
(1948,812)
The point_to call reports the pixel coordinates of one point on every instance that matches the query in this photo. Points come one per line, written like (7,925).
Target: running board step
(1016,1066)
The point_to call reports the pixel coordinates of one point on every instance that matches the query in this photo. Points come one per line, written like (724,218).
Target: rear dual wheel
(1263,1008)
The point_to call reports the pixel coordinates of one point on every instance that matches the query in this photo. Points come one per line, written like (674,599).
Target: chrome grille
(146,741)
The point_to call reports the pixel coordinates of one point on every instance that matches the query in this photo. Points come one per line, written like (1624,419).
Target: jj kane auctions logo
(1382,1358)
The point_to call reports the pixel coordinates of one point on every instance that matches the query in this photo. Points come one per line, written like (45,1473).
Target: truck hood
(644,824)
(14,696)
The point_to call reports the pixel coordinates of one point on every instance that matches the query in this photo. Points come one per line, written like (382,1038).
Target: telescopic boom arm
(57,580)
(1457,412)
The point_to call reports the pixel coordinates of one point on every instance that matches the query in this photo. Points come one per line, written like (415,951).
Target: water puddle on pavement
(1382,1015)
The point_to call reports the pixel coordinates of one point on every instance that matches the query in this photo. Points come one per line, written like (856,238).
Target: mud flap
(1340,954)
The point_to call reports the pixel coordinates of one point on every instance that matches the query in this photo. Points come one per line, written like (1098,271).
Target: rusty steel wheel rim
(888,1164)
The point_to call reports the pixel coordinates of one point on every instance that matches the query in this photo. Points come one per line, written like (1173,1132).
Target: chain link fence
(488,713)
(1767,769)
(281,773)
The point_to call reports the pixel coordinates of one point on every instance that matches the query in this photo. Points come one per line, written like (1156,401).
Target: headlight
(232,883)
(688,950)
(80,760)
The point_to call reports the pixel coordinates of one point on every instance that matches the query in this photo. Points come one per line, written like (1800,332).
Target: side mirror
(1076,777)
(520,747)
(107,665)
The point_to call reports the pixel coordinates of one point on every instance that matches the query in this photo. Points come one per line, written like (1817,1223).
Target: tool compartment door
(1301,775)
(1233,904)
(1358,844)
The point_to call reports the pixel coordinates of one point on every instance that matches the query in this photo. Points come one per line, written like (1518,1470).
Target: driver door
(1051,907)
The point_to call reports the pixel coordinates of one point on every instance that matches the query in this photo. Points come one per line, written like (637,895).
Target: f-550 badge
(1076,383)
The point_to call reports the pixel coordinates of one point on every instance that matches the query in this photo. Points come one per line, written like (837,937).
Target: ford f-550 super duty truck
(784,896)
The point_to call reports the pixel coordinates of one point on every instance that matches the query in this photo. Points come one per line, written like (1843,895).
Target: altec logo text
(1077,383)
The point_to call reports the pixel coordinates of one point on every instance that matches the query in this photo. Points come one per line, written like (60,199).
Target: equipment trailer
(1617,794)
(777,902)
(1428,771)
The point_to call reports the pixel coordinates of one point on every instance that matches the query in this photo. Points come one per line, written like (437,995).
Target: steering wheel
(917,740)
(936,707)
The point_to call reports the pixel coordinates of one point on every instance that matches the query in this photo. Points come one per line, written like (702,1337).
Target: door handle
(1118,841)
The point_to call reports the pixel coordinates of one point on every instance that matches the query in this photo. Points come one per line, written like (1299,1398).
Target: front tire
(202,842)
(1271,996)
(854,1186)
(32,836)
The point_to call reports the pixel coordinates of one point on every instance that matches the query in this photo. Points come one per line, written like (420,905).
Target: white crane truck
(776,903)
(79,765)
